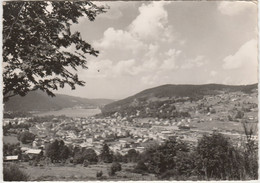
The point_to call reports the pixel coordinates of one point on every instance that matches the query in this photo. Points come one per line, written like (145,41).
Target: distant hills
(170,92)
(39,101)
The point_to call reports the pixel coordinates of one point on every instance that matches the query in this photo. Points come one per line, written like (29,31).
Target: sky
(147,44)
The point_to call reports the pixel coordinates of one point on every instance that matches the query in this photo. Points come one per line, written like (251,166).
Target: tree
(106,155)
(162,158)
(64,152)
(57,151)
(11,149)
(37,36)
(12,173)
(85,154)
(132,155)
(239,115)
(140,167)
(26,137)
(250,150)
(115,167)
(218,159)
(91,155)
(99,174)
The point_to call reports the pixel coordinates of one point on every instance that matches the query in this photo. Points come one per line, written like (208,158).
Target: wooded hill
(174,92)
(39,101)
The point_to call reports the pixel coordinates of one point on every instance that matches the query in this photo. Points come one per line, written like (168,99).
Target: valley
(134,124)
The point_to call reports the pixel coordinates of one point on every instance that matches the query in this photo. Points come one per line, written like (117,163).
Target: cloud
(108,69)
(125,67)
(213,73)
(155,79)
(119,39)
(170,62)
(246,56)
(234,8)
(151,23)
(114,9)
(242,66)
(197,62)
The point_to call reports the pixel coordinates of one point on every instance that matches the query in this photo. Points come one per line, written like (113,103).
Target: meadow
(70,172)
(70,112)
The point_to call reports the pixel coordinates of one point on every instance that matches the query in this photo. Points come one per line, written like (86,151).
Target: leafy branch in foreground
(38,44)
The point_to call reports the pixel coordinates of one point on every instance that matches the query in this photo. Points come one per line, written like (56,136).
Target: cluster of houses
(122,135)
(30,153)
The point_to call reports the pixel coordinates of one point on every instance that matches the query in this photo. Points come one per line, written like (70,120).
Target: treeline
(49,118)
(58,152)
(15,128)
(16,114)
(157,109)
(214,158)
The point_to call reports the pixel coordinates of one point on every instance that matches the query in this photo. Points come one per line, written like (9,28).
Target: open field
(80,173)
(223,126)
(11,139)
(70,112)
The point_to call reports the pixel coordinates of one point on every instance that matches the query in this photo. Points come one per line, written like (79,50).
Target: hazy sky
(147,44)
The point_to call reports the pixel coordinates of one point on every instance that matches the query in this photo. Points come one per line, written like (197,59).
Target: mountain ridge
(194,92)
(39,101)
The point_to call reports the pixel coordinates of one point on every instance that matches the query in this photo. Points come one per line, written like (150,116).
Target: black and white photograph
(129,90)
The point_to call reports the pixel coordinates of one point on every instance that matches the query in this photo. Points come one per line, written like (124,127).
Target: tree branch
(11,28)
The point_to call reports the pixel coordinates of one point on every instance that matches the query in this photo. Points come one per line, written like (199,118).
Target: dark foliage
(99,174)
(218,159)
(132,155)
(106,155)
(83,155)
(11,149)
(19,114)
(162,158)
(115,167)
(140,168)
(13,173)
(214,158)
(26,137)
(57,151)
(34,37)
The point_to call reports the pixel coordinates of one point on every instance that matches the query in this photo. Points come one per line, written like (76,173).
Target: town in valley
(144,123)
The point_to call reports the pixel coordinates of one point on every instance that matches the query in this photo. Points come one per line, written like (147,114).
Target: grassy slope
(39,101)
(192,91)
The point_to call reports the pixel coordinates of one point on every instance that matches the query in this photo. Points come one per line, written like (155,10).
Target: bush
(218,159)
(85,154)
(26,137)
(25,157)
(13,173)
(140,168)
(111,171)
(99,174)
(85,163)
(114,168)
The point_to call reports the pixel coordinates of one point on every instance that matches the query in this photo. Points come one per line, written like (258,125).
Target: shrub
(85,163)
(99,174)
(217,158)
(106,155)
(116,166)
(26,137)
(13,173)
(140,168)
(111,171)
